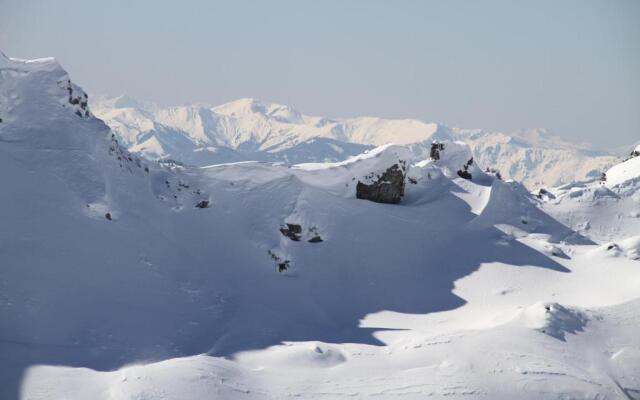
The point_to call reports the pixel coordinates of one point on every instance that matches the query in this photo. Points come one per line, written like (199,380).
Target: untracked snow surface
(124,278)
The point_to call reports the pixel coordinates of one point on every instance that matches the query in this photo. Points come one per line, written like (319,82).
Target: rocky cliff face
(389,188)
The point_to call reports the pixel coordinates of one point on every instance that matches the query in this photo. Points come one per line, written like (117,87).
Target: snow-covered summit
(31,87)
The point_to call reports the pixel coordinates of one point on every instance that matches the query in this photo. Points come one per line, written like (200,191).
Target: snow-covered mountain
(382,275)
(250,130)
(536,157)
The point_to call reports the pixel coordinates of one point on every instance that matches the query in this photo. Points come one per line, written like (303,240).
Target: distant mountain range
(248,129)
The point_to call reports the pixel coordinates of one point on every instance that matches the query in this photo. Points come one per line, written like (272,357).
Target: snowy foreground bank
(380,276)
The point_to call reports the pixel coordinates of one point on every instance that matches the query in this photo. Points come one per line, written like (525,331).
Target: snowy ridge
(624,172)
(601,209)
(536,158)
(127,278)
(247,129)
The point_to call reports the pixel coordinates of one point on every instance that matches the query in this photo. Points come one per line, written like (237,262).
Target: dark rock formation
(203,204)
(292,231)
(281,265)
(464,172)
(435,150)
(633,154)
(545,194)
(315,236)
(389,188)
(494,172)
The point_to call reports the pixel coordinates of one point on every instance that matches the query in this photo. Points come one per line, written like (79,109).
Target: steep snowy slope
(123,278)
(249,130)
(604,210)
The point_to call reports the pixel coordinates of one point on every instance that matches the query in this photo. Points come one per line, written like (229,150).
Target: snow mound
(511,207)
(629,247)
(554,319)
(295,355)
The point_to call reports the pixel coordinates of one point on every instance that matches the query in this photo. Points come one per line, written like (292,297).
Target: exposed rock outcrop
(388,188)
(292,231)
(464,172)
(436,147)
(282,265)
(203,204)
(544,194)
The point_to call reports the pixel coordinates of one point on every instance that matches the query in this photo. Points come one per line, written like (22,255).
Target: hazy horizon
(622,149)
(570,67)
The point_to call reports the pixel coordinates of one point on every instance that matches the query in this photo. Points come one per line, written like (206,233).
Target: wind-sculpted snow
(126,278)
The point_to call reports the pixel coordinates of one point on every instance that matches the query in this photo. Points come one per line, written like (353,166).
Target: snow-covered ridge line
(49,84)
(248,129)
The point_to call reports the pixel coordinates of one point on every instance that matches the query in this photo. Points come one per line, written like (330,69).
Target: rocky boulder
(388,188)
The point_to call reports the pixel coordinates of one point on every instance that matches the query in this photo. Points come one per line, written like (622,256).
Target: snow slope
(250,130)
(125,278)
(603,210)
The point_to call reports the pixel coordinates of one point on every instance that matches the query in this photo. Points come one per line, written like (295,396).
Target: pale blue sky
(570,66)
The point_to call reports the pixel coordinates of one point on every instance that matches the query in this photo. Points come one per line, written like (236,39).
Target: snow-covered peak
(241,107)
(37,87)
(126,101)
(285,114)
